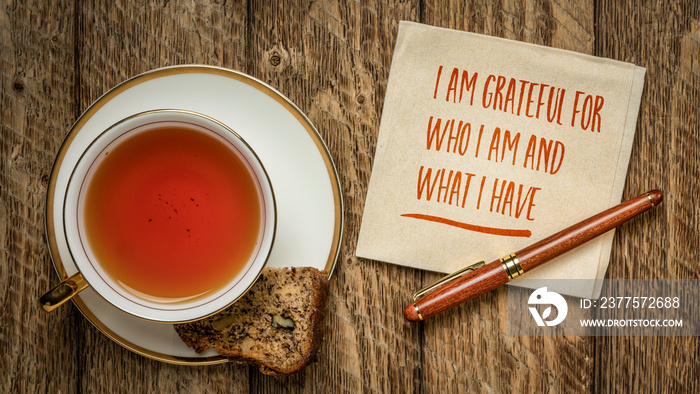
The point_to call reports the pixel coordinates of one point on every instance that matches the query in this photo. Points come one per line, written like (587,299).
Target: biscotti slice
(277,325)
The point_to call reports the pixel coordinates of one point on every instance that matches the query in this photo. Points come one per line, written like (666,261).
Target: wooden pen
(480,278)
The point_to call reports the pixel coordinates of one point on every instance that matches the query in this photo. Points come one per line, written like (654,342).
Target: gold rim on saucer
(154,74)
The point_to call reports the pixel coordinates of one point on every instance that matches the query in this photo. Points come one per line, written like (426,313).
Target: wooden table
(332,59)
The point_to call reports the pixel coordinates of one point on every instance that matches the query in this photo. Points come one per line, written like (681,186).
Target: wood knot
(275,59)
(360,98)
(45,180)
(18,86)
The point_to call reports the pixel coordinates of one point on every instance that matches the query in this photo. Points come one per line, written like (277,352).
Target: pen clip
(446,279)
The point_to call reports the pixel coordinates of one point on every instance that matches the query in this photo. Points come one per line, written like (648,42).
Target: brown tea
(172,213)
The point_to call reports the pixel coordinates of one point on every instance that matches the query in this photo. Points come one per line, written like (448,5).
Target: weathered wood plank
(332,59)
(468,348)
(118,40)
(36,103)
(664,38)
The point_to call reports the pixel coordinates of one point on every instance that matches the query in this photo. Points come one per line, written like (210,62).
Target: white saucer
(307,189)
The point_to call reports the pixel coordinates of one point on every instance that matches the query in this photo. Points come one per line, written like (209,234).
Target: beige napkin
(487,145)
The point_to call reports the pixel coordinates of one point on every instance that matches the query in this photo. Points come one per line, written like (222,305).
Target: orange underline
(472,227)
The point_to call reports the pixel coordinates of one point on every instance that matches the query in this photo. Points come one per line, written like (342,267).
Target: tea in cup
(169,215)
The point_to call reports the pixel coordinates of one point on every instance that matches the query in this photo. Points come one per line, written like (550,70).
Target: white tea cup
(123,268)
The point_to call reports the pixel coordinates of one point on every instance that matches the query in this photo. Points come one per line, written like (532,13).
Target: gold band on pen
(650,200)
(417,311)
(512,266)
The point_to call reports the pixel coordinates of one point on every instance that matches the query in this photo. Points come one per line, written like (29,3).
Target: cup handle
(62,292)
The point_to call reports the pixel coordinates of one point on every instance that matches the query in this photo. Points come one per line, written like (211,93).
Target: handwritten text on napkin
(487,145)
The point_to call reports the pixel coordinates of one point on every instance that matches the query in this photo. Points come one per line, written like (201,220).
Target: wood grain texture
(332,58)
(36,103)
(664,38)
